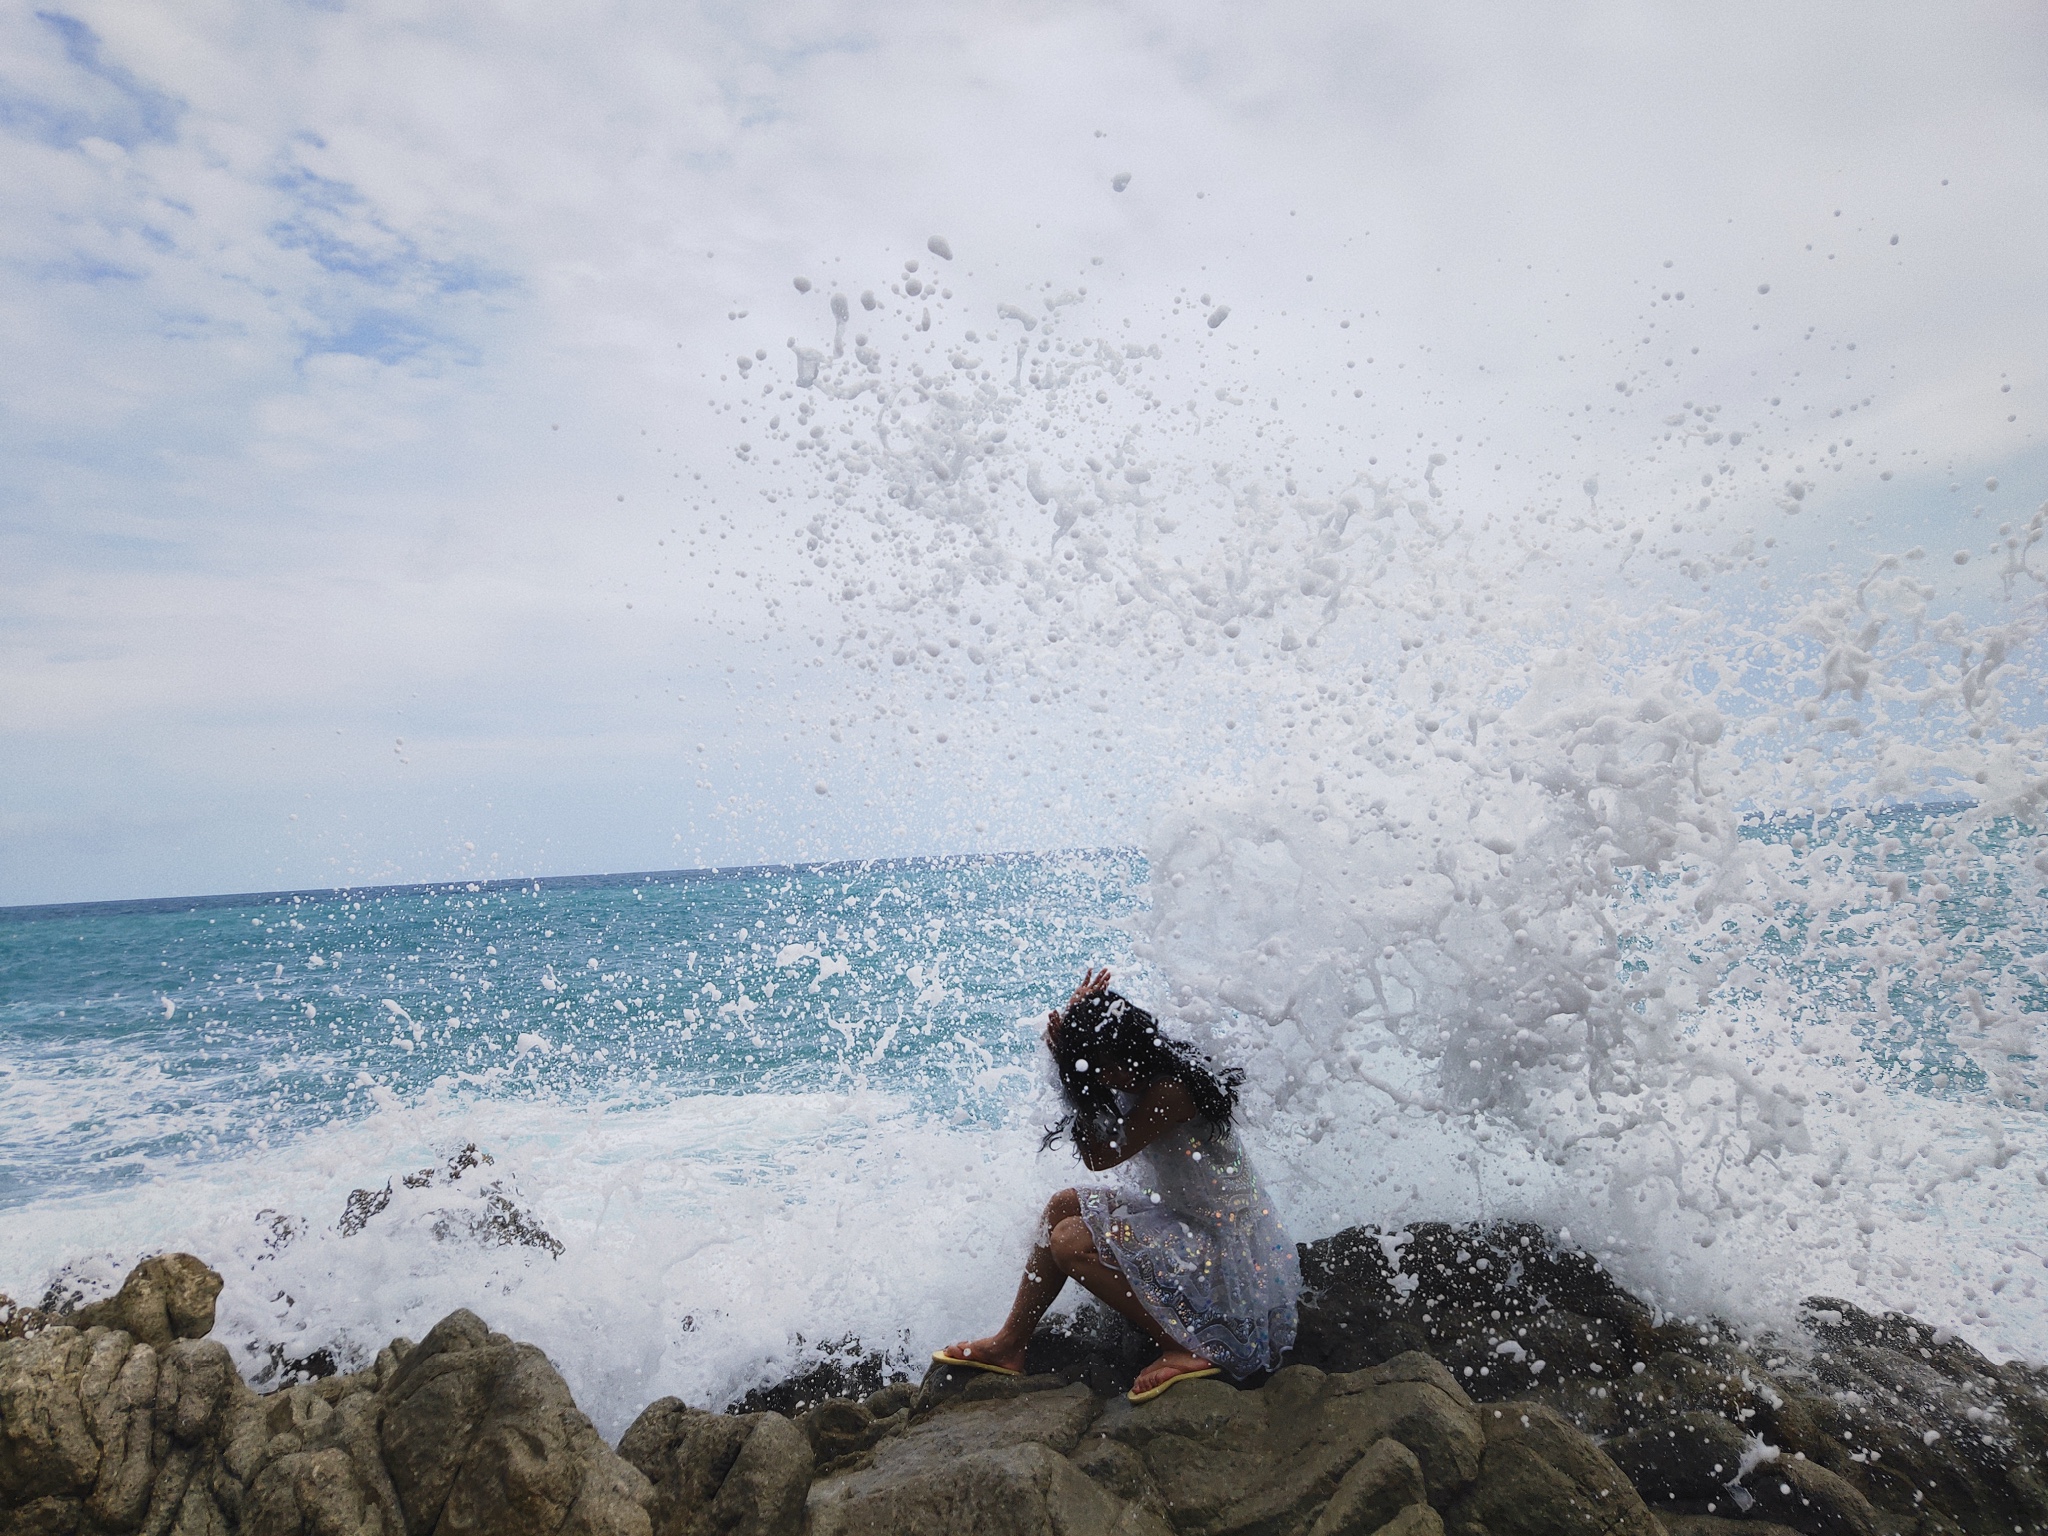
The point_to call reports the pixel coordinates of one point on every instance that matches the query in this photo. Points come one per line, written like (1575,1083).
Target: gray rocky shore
(1475,1382)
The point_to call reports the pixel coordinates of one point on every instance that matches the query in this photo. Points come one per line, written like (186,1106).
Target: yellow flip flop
(973,1365)
(1173,1381)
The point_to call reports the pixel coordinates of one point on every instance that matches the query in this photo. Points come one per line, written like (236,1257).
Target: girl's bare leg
(1066,1248)
(1073,1249)
(1042,1282)
(1074,1246)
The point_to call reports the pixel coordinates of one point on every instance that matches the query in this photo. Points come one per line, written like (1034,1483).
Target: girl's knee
(1071,1240)
(1064,1206)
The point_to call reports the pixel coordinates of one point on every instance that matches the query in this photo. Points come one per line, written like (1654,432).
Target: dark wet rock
(1857,1421)
(1687,1457)
(280,1230)
(1415,1520)
(361,1206)
(1381,1485)
(1812,1499)
(1910,1419)
(843,1368)
(1841,1324)
(716,1474)
(1460,1293)
(1699,1466)
(502,1223)
(1540,1476)
(283,1369)
(1718,1525)
(480,1434)
(1093,1346)
(496,1220)
(75,1284)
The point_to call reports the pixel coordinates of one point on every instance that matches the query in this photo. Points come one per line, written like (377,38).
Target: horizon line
(135,904)
(109,905)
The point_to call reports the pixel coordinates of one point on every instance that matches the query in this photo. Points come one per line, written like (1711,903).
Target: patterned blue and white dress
(1202,1246)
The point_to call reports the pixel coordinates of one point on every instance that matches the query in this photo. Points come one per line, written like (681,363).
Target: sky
(371,500)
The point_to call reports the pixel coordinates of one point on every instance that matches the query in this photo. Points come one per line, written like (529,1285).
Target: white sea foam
(704,1246)
(1448,799)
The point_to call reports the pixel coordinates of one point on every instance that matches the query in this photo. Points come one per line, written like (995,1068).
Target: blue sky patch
(390,296)
(80,267)
(335,226)
(110,102)
(382,335)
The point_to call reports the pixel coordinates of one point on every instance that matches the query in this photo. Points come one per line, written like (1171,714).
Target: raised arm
(1092,983)
(1163,1106)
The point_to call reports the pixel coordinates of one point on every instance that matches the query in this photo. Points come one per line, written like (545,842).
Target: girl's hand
(1092,983)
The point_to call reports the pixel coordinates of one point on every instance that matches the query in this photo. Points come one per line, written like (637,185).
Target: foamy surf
(1542,826)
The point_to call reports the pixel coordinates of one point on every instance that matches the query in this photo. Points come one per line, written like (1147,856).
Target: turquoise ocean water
(142,1036)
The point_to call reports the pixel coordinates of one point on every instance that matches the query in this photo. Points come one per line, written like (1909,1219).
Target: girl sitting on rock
(1186,1246)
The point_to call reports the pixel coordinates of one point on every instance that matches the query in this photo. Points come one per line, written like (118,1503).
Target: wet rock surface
(1859,1423)
(1449,1382)
(166,1297)
(102,1431)
(733,1474)
(496,1219)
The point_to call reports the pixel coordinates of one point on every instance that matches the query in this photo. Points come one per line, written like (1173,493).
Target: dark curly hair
(1107,1032)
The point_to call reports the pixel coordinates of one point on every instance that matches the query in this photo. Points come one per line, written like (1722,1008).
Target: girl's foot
(995,1351)
(1171,1363)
